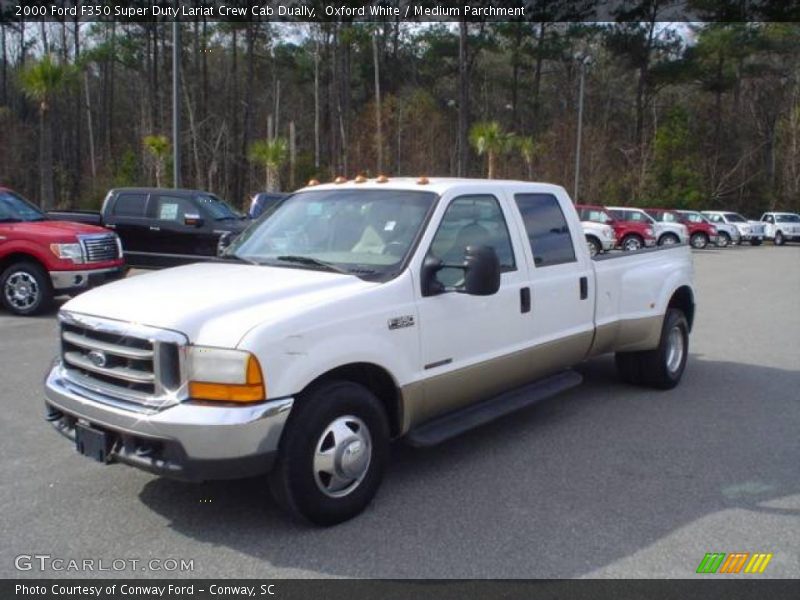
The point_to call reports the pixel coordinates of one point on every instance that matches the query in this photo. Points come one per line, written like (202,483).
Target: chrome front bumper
(79,280)
(190,440)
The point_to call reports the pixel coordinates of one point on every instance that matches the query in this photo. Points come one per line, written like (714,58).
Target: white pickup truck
(357,313)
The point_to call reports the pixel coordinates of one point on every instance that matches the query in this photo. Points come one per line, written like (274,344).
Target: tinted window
(471,221)
(630,215)
(16,208)
(174,208)
(218,209)
(130,205)
(547,229)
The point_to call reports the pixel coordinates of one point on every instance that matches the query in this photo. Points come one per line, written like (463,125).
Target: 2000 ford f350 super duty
(356,313)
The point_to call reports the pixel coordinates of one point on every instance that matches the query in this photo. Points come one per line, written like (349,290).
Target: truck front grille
(124,362)
(100,248)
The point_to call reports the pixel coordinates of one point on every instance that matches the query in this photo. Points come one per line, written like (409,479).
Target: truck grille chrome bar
(100,248)
(123,361)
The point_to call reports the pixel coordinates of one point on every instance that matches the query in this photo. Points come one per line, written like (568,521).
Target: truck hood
(55,230)
(215,303)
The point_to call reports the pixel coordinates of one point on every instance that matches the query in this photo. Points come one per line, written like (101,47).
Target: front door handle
(584,287)
(525,300)
(154,228)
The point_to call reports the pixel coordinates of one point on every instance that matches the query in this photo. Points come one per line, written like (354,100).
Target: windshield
(694,217)
(367,232)
(735,218)
(218,209)
(787,218)
(14,208)
(595,215)
(632,215)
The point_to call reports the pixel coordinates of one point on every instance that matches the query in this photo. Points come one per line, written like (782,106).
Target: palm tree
(271,154)
(529,151)
(158,147)
(487,137)
(41,81)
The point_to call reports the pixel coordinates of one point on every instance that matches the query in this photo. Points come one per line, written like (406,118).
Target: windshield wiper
(232,256)
(314,262)
(11,220)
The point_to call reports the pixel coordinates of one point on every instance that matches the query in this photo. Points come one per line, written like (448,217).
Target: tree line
(675,114)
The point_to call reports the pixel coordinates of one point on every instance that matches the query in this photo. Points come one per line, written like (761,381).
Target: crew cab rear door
(560,277)
(126,213)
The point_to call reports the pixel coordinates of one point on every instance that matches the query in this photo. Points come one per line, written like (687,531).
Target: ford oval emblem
(98,358)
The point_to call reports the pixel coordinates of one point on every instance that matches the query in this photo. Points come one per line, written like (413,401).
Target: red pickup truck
(40,259)
(631,235)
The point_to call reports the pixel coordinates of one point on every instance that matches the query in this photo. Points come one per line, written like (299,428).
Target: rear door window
(547,229)
(130,205)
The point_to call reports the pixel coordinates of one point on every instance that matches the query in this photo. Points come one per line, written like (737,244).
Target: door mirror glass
(481,271)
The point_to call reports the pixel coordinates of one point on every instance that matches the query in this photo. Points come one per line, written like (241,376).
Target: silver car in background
(749,231)
(727,235)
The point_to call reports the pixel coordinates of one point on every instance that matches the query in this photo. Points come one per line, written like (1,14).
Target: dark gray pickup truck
(163,227)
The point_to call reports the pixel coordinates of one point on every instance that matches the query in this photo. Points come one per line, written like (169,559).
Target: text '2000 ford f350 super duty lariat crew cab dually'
(356,313)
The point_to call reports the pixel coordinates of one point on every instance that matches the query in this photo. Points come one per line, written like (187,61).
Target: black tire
(631,243)
(659,368)
(779,239)
(26,289)
(699,241)
(668,239)
(593,245)
(295,485)
(723,240)
(755,242)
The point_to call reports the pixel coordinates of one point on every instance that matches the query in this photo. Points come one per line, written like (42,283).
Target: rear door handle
(154,228)
(525,300)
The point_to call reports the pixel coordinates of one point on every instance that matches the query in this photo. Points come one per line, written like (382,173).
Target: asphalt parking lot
(606,480)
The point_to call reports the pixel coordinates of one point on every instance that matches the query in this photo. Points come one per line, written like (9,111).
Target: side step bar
(453,424)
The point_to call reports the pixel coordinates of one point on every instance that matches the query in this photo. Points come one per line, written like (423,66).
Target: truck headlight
(224,375)
(648,231)
(608,232)
(72,252)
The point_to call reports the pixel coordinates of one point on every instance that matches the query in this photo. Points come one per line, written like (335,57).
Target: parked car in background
(701,233)
(163,227)
(749,231)
(41,258)
(666,233)
(726,234)
(409,308)
(631,235)
(599,238)
(781,227)
(264,201)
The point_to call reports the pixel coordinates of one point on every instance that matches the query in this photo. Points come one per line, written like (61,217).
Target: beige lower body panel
(450,391)
(440,394)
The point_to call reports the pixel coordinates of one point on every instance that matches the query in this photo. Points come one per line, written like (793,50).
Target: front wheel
(779,239)
(699,241)
(25,289)
(663,367)
(332,453)
(631,243)
(723,240)
(668,239)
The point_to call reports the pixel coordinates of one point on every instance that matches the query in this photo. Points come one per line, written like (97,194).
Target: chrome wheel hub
(342,456)
(632,244)
(675,349)
(21,290)
(698,241)
(669,241)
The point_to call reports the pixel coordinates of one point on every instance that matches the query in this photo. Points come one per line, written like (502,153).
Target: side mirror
(481,271)
(430,285)
(193,220)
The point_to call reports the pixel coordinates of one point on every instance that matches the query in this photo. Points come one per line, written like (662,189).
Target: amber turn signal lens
(360,179)
(382,179)
(340,179)
(252,391)
(423,180)
(313,182)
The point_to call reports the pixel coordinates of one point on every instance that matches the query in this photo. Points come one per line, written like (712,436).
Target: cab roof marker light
(381,179)
(360,179)
(340,179)
(423,180)
(313,182)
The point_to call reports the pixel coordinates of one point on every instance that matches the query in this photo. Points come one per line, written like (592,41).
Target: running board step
(461,421)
